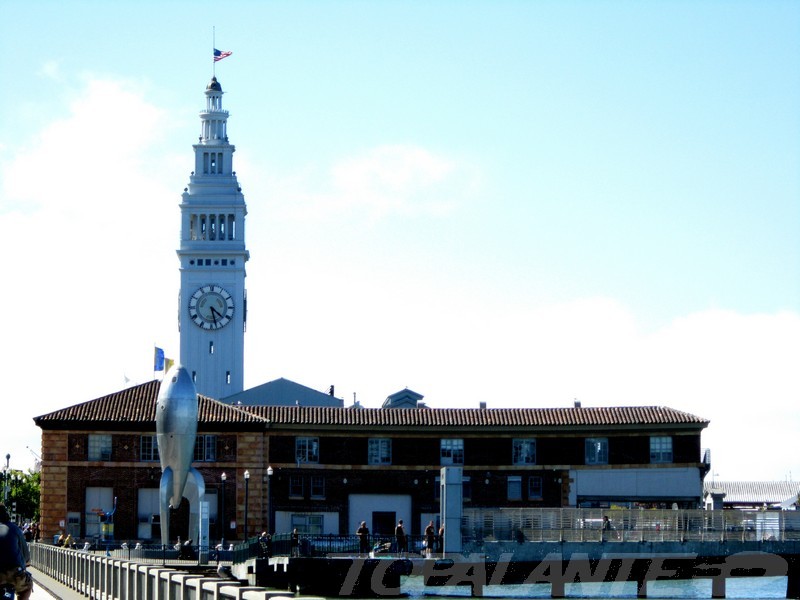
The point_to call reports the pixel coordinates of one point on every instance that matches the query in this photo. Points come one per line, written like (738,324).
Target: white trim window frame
(523,451)
(379,451)
(306,449)
(451,451)
(660,449)
(596,451)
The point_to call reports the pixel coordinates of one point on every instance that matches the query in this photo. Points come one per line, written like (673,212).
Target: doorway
(383,522)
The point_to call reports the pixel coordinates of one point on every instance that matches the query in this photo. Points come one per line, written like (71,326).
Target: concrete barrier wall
(99,576)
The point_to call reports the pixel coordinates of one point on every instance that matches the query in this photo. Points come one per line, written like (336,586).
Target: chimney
(577,403)
(482,405)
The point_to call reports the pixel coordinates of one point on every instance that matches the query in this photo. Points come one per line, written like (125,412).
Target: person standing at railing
(608,528)
(363,538)
(430,539)
(402,540)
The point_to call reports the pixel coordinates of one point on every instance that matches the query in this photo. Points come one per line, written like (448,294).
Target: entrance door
(383,522)
(98,500)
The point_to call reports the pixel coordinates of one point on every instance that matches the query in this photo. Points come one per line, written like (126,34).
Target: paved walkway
(47,587)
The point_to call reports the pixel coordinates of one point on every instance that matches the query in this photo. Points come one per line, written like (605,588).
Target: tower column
(212,258)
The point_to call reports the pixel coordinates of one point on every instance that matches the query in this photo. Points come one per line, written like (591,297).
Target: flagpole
(214,47)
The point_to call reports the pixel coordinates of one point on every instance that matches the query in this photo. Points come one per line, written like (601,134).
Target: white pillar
(452,506)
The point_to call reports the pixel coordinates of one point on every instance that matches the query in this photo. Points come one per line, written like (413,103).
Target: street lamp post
(223,477)
(246,499)
(16,479)
(5,480)
(269,499)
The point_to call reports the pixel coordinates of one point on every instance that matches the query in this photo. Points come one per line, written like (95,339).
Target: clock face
(211,307)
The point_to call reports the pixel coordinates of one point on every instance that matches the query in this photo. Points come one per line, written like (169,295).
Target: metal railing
(480,526)
(325,545)
(626,525)
(92,574)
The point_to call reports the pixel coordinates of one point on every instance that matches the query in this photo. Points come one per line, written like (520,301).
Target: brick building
(332,467)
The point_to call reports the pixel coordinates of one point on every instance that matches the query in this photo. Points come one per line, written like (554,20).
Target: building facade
(325,469)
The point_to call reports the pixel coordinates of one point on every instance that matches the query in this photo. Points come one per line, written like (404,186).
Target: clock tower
(212,313)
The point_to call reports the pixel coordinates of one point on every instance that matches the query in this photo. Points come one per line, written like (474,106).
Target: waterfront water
(744,588)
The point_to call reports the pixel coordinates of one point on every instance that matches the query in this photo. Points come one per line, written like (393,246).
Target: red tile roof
(136,405)
(475,417)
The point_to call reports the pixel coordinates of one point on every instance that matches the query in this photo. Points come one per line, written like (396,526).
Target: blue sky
(520,203)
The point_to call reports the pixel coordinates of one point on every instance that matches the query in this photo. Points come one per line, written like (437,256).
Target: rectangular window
(205,448)
(596,451)
(452,452)
(99,446)
(148,448)
(515,487)
(306,450)
(317,487)
(524,452)
(295,486)
(660,449)
(380,451)
(307,524)
(535,488)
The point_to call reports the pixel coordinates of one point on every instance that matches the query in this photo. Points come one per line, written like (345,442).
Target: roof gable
(283,392)
(403,399)
(137,405)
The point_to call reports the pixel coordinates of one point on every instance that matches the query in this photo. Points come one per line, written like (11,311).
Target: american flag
(220,54)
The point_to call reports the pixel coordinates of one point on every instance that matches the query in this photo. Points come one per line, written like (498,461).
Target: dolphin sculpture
(176,432)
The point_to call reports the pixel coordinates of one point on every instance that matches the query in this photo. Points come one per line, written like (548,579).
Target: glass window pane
(515,488)
(524,452)
(660,449)
(99,447)
(380,451)
(597,451)
(535,488)
(452,452)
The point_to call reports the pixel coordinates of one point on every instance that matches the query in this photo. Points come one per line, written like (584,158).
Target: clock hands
(211,307)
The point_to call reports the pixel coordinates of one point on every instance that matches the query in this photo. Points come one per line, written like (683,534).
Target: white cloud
(389,179)
(736,370)
(89,228)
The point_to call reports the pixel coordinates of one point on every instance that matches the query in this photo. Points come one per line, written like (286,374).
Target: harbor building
(281,455)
